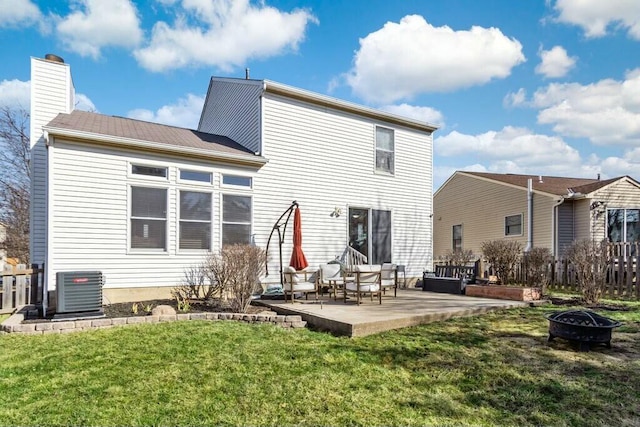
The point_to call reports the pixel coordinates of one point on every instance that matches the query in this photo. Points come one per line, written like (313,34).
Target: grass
(4,317)
(496,369)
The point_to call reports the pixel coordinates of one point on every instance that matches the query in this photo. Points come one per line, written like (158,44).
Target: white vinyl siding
(52,93)
(324,160)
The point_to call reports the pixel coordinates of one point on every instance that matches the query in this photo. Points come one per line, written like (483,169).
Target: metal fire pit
(581,326)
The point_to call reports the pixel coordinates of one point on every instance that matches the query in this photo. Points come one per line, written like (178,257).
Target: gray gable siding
(232,109)
(565,226)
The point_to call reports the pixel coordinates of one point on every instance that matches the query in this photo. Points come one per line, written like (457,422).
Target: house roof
(335,103)
(554,185)
(131,133)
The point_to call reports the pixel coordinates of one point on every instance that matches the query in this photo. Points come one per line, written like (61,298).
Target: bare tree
(15,181)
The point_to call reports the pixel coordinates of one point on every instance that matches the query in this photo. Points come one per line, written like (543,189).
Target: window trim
(132,175)
(504,225)
(184,181)
(222,222)
(180,220)
(236,186)
(453,237)
(391,172)
(155,251)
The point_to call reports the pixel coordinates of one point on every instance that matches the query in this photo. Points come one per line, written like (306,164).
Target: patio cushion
(301,286)
(364,287)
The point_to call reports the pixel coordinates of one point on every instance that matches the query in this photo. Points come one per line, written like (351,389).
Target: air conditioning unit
(79,292)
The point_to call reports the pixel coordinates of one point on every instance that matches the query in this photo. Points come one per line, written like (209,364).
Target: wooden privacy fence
(19,286)
(621,279)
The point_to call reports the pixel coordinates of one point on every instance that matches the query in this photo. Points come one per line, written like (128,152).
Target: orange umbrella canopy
(298,260)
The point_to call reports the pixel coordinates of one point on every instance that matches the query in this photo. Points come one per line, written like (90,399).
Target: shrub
(537,268)
(235,270)
(590,260)
(458,257)
(502,255)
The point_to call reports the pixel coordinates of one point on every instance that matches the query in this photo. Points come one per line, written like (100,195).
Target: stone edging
(14,323)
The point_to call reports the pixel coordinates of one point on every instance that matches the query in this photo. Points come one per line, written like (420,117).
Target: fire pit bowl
(581,326)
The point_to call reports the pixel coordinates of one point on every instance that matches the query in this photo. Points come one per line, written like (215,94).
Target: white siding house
(141,201)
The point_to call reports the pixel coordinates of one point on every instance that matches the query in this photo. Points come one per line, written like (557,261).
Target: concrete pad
(411,307)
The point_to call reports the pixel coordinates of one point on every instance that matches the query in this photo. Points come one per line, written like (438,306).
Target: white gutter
(154,146)
(529,215)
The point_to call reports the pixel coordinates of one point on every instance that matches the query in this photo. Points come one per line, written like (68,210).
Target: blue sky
(541,87)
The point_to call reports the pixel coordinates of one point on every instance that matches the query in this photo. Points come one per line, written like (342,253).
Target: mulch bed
(599,306)
(126,309)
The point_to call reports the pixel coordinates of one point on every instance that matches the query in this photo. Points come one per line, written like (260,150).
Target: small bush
(590,260)
(537,267)
(502,255)
(236,270)
(458,257)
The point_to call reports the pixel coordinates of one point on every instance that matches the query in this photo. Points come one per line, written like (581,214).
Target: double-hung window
(623,225)
(457,238)
(513,225)
(195,220)
(236,219)
(385,150)
(148,218)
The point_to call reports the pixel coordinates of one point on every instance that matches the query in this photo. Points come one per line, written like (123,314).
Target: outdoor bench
(449,279)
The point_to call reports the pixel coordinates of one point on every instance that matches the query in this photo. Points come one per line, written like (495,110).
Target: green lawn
(496,369)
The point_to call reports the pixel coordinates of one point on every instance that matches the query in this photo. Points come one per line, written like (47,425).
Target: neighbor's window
(148,218)
(149,171)
(236,219)
(457,238)
(384,149)
(623,225)
(195,220)
(240,181)
(187,175)
(513,225)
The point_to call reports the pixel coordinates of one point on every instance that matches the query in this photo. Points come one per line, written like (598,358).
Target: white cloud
(185,113)
(404,59)
(96,24)
(555,62)
(18,13)
(595,16)
(514,150)
(15,94)
(606,112)
(515,99)
(224,34)
(424,114)
(84,103)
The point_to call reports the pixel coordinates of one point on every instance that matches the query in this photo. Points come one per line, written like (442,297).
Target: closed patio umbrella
(298,260)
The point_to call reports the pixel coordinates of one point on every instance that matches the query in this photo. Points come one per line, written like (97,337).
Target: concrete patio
(411,307)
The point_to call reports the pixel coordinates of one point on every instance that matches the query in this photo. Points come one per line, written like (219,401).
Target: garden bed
(514,293)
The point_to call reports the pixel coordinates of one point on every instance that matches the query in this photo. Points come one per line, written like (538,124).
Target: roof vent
(54,58)
(246,74)
(540,179)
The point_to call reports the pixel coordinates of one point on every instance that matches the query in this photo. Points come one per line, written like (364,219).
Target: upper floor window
(148,218)
(236,219)
(513,225)
(188,175)
(457,237)
(240,181)
(149,171)
(195,220)
(385,150)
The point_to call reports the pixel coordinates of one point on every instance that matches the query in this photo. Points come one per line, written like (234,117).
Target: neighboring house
(473,207)
(141,201)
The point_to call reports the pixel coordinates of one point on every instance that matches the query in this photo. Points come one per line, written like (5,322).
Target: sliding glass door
(370,233)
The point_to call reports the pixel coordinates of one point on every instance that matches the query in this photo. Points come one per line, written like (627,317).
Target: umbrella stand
(281,222)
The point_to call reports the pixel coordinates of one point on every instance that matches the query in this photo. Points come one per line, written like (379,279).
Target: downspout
(554,232)
(529,215)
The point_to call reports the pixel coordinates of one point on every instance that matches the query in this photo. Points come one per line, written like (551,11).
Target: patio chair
(301,282)
(330,275)
(389,277)
(366,280)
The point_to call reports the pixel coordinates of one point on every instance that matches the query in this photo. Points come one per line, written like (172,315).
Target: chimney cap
(54,58)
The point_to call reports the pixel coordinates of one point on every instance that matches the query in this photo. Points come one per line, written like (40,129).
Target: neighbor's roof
(101,128)
(555,185)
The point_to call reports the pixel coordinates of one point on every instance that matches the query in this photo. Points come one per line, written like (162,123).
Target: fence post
(7,289)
